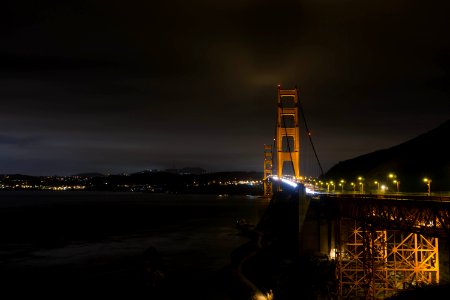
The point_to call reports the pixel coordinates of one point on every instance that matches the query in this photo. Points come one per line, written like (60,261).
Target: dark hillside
(427,155)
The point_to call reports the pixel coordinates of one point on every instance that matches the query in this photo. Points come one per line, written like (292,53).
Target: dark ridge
(90,175)
(426,155)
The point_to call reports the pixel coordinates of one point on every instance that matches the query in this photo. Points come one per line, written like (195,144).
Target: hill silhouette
(426,155)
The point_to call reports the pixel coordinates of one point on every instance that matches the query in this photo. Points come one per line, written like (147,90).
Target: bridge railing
(397,197)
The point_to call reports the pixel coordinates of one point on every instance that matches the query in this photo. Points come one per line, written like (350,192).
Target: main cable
(309,134)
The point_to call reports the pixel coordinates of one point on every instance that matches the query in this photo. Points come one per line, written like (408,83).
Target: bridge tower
(288,132)
(268,169)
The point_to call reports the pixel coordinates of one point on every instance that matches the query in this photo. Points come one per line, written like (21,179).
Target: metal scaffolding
(374,264)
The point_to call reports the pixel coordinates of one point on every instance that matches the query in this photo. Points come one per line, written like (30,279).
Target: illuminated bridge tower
(268,167)
(288,133)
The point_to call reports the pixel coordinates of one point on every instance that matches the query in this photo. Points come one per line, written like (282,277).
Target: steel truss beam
(429,218)
(375,263)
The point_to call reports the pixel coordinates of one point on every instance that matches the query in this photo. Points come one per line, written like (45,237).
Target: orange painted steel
(386,245)
(268,169)
(288,109)
(375,264)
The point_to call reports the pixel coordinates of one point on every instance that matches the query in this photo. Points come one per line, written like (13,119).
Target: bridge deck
(427,215)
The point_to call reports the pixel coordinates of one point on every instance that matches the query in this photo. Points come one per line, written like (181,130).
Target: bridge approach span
(426,215)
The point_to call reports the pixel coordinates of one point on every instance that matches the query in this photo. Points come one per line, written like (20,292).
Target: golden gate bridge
(381,243)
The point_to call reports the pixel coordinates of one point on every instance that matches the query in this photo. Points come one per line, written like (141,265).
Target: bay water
(69,243)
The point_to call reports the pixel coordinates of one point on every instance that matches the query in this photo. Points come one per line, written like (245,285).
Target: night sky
(122,86)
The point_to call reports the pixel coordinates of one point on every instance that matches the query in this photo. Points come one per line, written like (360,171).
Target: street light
(360,179)
(342,182)
(398,184)
(392,176)
(353,185)
(428,182)
(378,185)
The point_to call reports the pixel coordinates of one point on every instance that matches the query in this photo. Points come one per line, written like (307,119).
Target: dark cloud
(124,85)
(15,141)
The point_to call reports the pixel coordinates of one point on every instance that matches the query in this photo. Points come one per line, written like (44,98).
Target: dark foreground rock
(423,292)
(270,264)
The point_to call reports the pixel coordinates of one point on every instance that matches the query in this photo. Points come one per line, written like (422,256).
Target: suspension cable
(309,136)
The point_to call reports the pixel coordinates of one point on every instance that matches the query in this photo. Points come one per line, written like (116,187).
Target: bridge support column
(317,228)
(268,167)
(288,133)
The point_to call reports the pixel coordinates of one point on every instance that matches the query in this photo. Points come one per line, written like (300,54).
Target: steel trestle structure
(374,264)
(383,246)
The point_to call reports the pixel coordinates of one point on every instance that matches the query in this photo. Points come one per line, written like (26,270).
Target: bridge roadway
(422,214)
